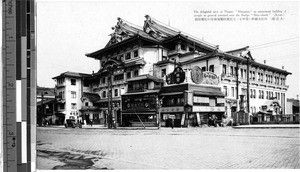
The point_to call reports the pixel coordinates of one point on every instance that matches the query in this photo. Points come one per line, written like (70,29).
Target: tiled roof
(91,96)
(72,74)
(145,77)
(46,91)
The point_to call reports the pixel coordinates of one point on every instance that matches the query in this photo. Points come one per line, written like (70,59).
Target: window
(251,93)
(103,94)
(231,70)
(211,68)
(267,95)
(242,73)
(163,72)
(183,47)
(118,77)
(262,94)
(116,92)
(225,91)
(127,56)
(103,80)
(73,81)
(73,105)
(60,95)
(119,57)
(271,95)
(232,91)
(128,75)
(136,53)
(203,68)
(278,96)
(254,93)
(253,76)
(271,79)
(86,103)
(136,73)
(259,94)
(73,94)
(224,69)
(212,101)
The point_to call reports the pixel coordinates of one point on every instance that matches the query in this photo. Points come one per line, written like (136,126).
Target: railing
(60,85)
(140,89)
(88,107)
(177,51)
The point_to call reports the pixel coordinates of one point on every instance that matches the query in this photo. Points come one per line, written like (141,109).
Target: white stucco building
(69,89)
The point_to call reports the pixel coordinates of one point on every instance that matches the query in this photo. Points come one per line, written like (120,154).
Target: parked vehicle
(72,123)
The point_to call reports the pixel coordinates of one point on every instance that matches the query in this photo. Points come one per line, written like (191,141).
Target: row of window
(252,94)
(120,77)
(104,93)
(60,80)
(125,56)
(252,75)
(61,94)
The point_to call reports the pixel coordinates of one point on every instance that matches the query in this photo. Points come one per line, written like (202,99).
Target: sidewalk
(105,127)
(266,126)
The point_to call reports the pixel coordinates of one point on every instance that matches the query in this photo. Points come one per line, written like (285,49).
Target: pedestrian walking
(172,123)
(91,122)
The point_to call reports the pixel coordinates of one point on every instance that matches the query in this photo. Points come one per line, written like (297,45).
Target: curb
(267,127)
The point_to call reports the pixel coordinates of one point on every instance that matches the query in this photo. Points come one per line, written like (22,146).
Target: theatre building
(153,73)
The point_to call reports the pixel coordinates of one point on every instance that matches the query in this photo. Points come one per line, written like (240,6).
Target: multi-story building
(156,51)
(69,89)
(45,104)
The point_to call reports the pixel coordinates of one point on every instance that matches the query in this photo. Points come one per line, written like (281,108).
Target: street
(178,148)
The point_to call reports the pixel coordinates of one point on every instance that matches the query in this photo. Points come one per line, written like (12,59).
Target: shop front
(191,104)
(103,113)
(139,109)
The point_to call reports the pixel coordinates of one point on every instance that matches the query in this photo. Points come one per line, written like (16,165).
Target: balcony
(118,82)
(137,89)
(60,85)
(174,52)
(91,108)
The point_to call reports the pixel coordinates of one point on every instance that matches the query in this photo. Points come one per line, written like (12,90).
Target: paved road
(180,148)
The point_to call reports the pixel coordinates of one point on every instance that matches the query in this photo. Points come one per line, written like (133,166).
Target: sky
(67,30)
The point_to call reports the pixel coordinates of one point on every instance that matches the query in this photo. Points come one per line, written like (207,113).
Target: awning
(106,100)
(263,112)
(138,113)
(200,93)
(144,92)
(145,77)
(174,93)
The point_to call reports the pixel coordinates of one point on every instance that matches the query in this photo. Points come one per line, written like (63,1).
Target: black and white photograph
(162,85)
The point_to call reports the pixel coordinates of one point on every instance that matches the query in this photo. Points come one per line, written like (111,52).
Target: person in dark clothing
(172,123)
(209,121)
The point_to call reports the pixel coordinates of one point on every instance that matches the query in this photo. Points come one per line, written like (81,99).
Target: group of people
(212,121)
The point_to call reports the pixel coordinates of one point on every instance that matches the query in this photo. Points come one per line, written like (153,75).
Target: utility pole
(248,88)
(109,98)
(43,108)
(110,121)
(237,86)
